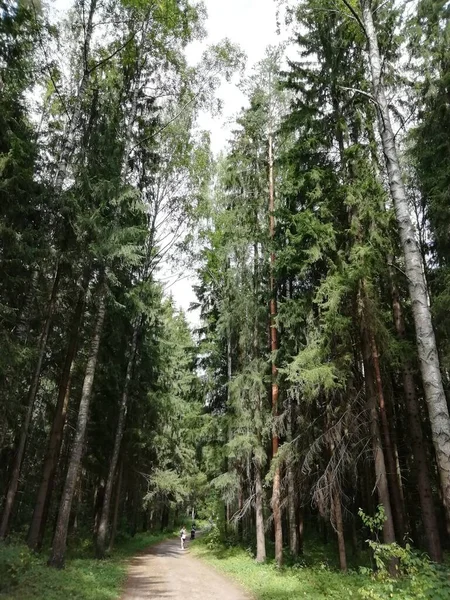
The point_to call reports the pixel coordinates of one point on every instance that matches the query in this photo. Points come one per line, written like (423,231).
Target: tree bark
(104,519)
(60,539)
(429,519)
(301,530)
(339,523)
(40,513)
(392,475)
(426,341)
(260,533)
(115,518)
(378,454)
(32,392)
(292,496)
(276,499)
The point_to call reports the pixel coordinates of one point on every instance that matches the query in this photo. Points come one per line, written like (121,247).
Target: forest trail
(165,572)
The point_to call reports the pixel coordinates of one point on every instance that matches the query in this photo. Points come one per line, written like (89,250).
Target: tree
(426,341)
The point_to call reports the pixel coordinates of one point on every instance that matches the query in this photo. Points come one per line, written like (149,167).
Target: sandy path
(167,572)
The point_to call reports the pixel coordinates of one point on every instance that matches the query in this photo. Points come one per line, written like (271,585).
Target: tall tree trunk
(426,341)
(69,142)
(378,454)
(260,534)
(393,479)
(40,513)
(417,442)
(292,496)
(115,518)
(276,491)
(259,496)
(32,392)
(339,524)
(104,519)
(98,503)
(229,430)
(301,529)
(60,539)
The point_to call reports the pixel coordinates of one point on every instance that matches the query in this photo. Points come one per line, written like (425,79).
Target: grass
(266,582)
(317,578)
(25,575)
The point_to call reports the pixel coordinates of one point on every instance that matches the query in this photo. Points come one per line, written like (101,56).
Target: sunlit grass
(267,582)
(316,576)
(25,575)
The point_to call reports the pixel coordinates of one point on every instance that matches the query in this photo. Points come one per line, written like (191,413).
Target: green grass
(267,582)
(317,579)
(25,575)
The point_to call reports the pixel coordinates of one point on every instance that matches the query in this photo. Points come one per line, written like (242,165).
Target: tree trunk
(339,523)
(98,503)
(416,439)
(293,535)
(40,513)
(229,431)
(116,509)
(104,519)
(301,530)
(378,454)
(276,499)
(59,541)
(426,342)
(292,496)
(392,475)
(69,142)
(260,534)
(32,392)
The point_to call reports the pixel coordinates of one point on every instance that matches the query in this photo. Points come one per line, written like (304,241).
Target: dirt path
(167,572)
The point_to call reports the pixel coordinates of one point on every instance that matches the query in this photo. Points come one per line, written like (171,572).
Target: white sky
(252,25)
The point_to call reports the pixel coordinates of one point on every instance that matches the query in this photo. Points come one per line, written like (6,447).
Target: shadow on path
(166,571)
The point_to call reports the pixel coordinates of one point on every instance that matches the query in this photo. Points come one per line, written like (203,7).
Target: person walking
(182,536)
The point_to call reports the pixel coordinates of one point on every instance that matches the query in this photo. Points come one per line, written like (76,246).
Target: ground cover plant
(316,574)
(25,575)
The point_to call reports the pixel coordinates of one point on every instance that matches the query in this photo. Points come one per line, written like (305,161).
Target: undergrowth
(25,575)
(315,576)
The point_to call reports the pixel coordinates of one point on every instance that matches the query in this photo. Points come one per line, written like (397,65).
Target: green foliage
(266,582)
(25,575)
(312,578)
(417,576)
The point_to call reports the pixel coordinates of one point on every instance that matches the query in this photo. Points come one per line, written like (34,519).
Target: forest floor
(166,571)
(153,566)
(267,582)
(25,575)
(315,576)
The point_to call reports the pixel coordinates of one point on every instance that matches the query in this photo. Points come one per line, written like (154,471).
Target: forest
(305,417)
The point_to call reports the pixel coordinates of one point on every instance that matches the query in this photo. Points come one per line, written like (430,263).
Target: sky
(252,25)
